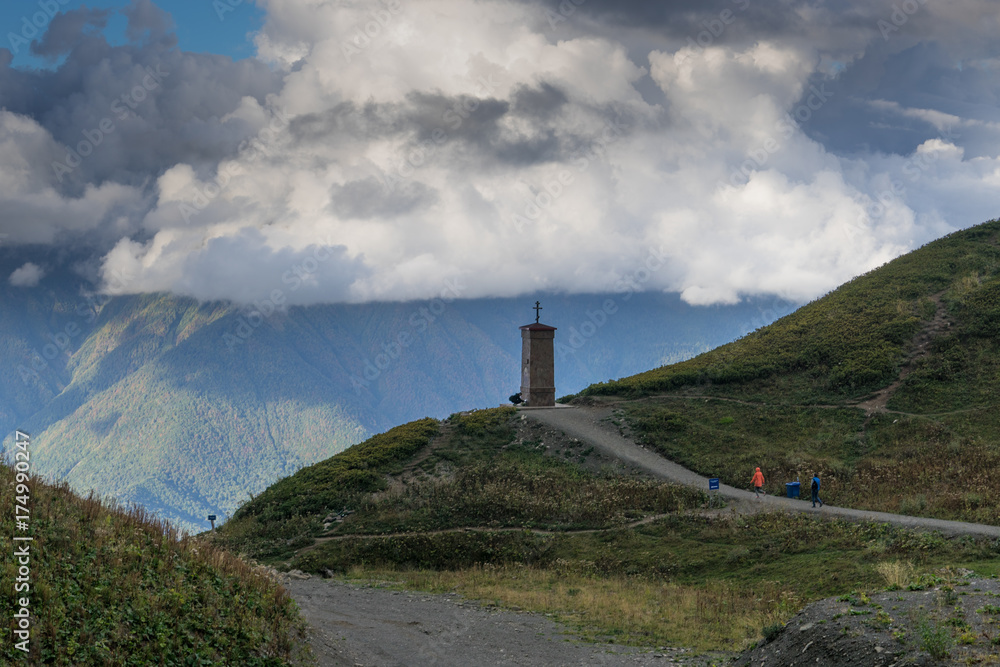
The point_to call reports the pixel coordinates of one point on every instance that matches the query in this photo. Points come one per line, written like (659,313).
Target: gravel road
(377,627)
(591,425)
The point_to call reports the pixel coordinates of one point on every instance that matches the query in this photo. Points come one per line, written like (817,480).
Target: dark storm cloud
(686,18)
(159,106)
(865,112)
(350,121)
(465,117)
(479,130)
(764,19)
(67,30)
(538,102)
(463,126)
(369,198)
(885,50)
(146,19)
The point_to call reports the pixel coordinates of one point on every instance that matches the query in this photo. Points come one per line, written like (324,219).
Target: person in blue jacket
(815,491)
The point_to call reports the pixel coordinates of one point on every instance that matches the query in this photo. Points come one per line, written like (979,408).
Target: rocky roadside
(954,621)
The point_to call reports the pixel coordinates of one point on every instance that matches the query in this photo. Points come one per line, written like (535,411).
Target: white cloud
(435,139)
(26,275)
(793,221)
(35,211)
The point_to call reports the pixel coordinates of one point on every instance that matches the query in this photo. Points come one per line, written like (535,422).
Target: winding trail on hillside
(920,348)
(487,529)
(807,406)
(592,425)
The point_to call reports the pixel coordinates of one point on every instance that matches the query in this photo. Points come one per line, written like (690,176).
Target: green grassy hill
(497,508)
(114,586)
(887,386)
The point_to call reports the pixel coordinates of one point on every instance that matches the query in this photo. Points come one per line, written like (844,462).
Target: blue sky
(198,25)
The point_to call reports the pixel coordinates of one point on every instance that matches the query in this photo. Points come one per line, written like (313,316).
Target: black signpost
(211,517)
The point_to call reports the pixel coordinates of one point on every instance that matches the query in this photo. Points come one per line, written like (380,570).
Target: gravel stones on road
(377,627)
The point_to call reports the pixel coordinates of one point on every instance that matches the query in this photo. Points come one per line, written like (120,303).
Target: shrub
(771,632)
(934,638)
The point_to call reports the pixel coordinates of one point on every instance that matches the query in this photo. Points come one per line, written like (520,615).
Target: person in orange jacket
(758,482)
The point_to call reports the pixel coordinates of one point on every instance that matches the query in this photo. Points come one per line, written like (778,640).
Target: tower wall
(538,381)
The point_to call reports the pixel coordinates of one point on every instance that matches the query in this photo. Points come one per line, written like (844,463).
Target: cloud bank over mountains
(390,150)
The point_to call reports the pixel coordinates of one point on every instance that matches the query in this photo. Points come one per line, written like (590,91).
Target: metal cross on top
(538,307)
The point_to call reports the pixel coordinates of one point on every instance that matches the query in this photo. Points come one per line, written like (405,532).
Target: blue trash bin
(792,488)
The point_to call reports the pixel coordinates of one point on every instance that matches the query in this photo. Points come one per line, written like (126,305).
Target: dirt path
(483,529)
(376,627)
(919,349)
(590,425)
(798,406)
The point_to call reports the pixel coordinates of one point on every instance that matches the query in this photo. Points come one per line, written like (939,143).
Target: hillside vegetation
(498,508)
(856,338)
(887,387)
(114,586)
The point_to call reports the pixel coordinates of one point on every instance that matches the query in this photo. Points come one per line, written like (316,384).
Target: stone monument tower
(538,378)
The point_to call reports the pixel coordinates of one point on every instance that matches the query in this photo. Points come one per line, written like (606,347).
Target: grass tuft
(897,574)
